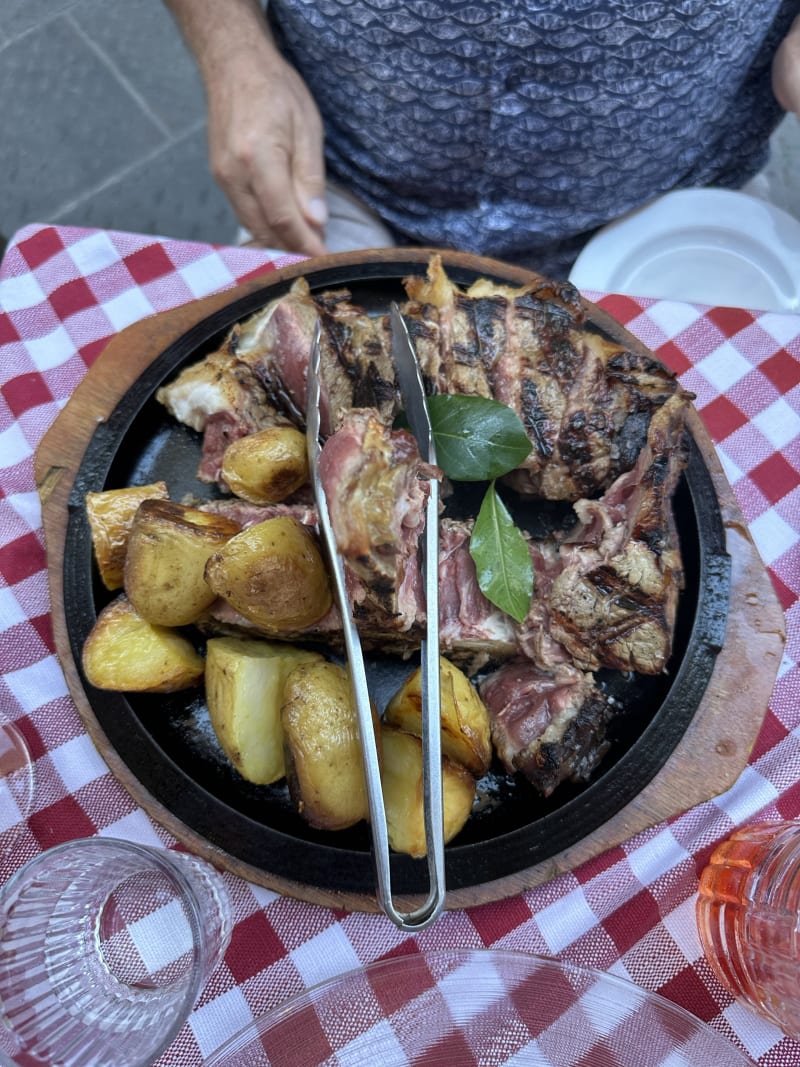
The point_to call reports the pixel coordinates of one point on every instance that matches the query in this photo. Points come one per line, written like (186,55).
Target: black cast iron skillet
(167,742)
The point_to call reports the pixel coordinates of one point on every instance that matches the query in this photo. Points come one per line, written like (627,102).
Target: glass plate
(477,1008)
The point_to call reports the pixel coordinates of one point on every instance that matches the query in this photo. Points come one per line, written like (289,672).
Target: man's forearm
(216,30)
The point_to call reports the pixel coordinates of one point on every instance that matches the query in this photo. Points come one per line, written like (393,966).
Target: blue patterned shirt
(516,128)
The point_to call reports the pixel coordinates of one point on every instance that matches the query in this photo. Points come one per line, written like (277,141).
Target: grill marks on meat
(585,401)
(355,364)
(550,725)
(258,376)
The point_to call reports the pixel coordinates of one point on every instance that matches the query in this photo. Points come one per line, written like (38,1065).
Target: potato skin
(267,466)
(126,653)
(466,730)
(168,547)
(245,681)
(273,574)
(110,513)
(403,793)
(324,762)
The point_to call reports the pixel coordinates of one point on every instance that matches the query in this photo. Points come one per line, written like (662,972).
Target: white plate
(706,246)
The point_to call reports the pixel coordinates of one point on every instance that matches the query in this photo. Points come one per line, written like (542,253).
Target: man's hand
(786,70)
(265,133)
(265,147)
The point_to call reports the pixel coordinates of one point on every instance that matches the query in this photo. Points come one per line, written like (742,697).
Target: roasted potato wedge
(466,731)
(324,765)
(126,653)
(168,547)
(245,680)
(110,514)
(403,797)
(274,575)
(267,466)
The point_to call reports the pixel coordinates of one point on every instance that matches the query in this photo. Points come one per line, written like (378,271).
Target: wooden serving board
(708,759)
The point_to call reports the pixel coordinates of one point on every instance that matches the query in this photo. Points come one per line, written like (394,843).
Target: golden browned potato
(274,575)
(466,732)
(324,765)
(267,466)
(126,653)
(110,514)
(245,680)
(168,547)
(403,796)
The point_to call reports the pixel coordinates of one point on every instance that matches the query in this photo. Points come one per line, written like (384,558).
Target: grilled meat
(377,488)
(585,401)
(606,423)
(613,604)
(472,631)
(355,365)
(221,398)
(550,725)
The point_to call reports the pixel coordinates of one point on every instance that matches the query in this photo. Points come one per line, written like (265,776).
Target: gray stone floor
(103,124)
(103,121)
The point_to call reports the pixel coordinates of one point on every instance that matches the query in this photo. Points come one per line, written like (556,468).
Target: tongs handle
(425,914)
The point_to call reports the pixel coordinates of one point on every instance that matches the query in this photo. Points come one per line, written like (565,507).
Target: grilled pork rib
(355,365)
(614,602)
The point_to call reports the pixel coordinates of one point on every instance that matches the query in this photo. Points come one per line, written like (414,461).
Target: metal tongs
(413,396)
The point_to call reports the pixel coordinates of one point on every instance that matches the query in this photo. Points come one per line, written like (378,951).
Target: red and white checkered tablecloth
(63,293)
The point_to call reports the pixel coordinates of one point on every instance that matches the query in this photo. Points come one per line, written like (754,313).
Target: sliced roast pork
(355,364)
(386,589)
(549,725)
(472,631)
(257,378)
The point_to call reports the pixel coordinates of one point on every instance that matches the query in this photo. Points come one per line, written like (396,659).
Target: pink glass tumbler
(748,917)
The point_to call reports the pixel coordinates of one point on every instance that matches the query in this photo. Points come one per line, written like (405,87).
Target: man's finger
(308,170)
(273,188)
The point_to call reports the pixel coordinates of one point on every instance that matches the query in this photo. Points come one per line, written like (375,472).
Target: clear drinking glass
(748,917)
(105,946)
